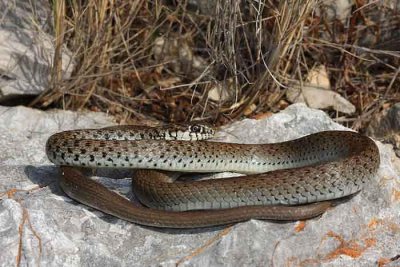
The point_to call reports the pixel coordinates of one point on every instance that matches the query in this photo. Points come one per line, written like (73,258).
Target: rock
(26,48)
(48,228)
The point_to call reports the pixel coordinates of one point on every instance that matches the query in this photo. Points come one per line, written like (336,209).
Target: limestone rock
(50,229)
(26,48)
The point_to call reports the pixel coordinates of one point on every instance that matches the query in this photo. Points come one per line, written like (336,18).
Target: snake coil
(291,180)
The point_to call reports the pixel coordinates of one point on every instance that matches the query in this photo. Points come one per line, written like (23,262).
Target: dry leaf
(318,77)
(249,109)
(316,93)
(220,91)
(169,82)
(263,115)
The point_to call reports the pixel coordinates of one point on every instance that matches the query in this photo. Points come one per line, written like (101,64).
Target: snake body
(312,169)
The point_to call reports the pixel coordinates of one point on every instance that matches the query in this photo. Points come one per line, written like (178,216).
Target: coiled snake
(296,179)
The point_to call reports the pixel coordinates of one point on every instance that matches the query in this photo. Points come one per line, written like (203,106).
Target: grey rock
(49,229)
(27,48)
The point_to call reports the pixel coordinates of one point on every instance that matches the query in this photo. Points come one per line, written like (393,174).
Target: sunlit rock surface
(27,49)
(40,225)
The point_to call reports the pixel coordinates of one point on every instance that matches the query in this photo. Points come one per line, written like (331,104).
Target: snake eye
(195,128)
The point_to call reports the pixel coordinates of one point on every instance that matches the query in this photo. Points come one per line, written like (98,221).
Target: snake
(286,181)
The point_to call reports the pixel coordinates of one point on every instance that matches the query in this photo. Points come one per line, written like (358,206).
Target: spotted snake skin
(287,180)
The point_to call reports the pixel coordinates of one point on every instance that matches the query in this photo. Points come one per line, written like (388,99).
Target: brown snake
(296,179)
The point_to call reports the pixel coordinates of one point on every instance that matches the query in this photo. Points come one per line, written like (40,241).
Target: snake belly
(307,172)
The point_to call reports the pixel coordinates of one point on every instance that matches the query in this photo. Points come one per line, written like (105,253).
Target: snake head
(198,131)
(201,129)
(191,132)
(185,132)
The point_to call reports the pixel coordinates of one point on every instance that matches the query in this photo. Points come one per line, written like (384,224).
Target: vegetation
(171,61)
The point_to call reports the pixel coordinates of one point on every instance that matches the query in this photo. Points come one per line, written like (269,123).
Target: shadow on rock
(44,176)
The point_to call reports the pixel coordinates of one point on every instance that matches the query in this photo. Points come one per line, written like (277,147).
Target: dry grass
(151,61)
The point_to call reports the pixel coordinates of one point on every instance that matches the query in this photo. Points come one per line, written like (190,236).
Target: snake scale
(292,180)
